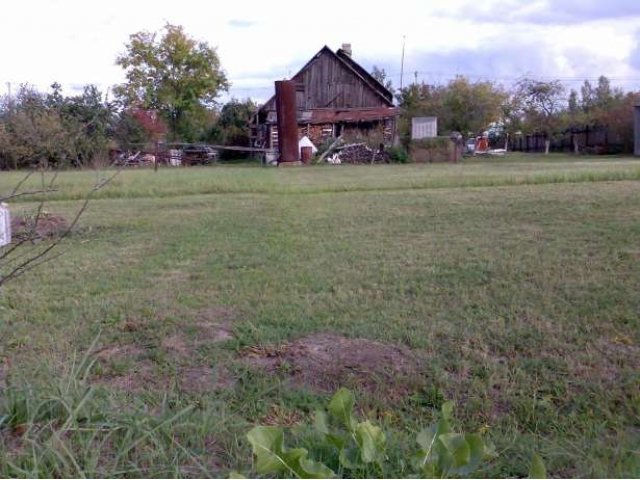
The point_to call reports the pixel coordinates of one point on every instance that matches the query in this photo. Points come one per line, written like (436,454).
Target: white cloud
(76,42)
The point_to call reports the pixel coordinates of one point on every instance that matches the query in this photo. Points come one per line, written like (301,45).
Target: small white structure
(305,142)
(424,127)
(5,225)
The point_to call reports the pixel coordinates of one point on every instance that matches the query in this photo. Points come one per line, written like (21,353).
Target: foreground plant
(361,447)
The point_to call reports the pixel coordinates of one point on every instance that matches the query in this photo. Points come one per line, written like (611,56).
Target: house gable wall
(328,82)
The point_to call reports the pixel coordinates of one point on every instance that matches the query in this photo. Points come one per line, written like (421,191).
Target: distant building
(334,96)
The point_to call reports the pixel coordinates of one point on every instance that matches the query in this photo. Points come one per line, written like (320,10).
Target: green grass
(514,280)
(513,170)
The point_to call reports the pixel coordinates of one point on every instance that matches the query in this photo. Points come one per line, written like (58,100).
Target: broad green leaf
(298,463)
(341,407)
(457,447)
(447,410)
(537,469)
(427,439)
(312,469)
(338,441)
(320,422)
(273,458)
(268,445)
(476,453)
(430,470)
(371,440)
(235,474)
(349,457)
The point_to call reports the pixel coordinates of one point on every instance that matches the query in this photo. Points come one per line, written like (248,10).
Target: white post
(5,225)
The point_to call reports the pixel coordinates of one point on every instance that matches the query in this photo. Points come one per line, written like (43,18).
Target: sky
(76,43)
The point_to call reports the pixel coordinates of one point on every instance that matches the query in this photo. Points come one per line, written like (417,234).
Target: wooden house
(334,96)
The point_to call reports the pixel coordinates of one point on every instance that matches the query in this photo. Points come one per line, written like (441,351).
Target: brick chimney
(346,48)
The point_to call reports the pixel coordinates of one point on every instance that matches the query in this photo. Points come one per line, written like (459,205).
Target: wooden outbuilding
(334,96)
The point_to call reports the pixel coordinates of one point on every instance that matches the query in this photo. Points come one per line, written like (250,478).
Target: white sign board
(5,225)
(424,127)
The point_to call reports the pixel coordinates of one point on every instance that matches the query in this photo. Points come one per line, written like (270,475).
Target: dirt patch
(127,368)
(325,362)
(144,376)
(201,379)
(46,226)
(213,333)
(117,352)
(607,359)
(213,325)
(177,345)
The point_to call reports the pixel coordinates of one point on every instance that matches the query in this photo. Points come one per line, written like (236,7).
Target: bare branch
(28,192)
(41,257)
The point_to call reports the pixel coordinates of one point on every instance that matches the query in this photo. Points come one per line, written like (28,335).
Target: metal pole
(402,61)
(636,130)
(287,121)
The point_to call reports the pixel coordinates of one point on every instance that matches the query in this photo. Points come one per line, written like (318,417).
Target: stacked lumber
(137,159)
(362,153)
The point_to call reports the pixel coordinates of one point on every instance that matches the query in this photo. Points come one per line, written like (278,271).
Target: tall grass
(69,428)
(73,185)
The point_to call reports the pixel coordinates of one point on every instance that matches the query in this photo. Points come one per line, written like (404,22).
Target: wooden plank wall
(327,83)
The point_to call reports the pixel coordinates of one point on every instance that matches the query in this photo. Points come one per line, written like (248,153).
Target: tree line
(530,107)
(171,94)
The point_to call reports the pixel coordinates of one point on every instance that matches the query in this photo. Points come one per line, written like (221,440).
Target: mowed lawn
(513,284)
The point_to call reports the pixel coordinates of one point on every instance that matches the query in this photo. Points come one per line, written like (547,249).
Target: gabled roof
(366,76)
(346,60)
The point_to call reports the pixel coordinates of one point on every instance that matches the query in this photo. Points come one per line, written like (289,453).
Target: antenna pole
(402,61)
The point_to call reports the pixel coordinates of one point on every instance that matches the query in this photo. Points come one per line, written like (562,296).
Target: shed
(334,96)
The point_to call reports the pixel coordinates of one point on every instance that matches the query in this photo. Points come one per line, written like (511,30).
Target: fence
(596,140)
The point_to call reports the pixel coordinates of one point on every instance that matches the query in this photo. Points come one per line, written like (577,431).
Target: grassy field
(198,297)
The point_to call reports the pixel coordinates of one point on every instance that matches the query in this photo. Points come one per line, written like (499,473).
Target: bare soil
(47,226)
(325,362)
(143,374)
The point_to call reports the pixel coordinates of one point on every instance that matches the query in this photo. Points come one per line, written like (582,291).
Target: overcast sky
(76,42)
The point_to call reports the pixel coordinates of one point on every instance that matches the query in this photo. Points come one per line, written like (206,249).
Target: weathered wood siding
(328,83)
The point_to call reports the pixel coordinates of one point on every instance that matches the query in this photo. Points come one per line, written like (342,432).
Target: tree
(543,102)
(472,107)
(173,74)
(234,121)
(381,76)
(53,129)
(460,105)
(574,118)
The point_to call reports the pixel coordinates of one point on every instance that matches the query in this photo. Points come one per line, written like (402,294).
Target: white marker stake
(5,225)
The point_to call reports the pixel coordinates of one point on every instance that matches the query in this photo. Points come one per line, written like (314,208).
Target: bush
(398,155)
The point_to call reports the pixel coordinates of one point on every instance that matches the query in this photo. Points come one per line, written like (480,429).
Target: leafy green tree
(173,74)
(471,107)
(234,121)
(461,105)
(32,133)
(51,129)
(543,104)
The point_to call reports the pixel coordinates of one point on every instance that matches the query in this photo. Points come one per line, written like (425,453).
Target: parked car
(198,155)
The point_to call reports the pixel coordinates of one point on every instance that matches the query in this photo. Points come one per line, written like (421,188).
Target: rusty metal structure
(636,130)
(285,100)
